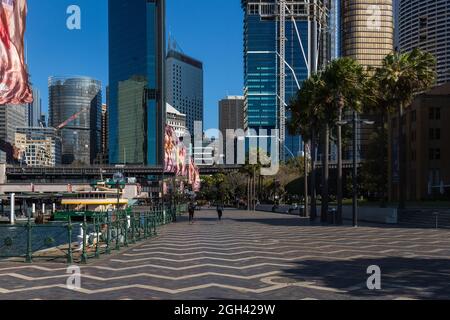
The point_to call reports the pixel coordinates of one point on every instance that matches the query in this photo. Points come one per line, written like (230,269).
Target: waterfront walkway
(251,256)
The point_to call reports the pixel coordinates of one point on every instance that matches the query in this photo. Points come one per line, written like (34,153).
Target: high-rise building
(367,30)
(176,120)
(231,113)
(231,117)
(184,85)
(136,69)
(35,109)
(284,40)
(11,117)
(425,24)
(132,134)
(104,133)
(39,147)
(75,106)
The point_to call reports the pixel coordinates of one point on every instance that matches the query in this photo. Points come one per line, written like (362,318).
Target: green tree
(401,77)
(345,87)
(307,120)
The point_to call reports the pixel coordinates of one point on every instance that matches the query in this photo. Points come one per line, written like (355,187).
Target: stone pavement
(252,256)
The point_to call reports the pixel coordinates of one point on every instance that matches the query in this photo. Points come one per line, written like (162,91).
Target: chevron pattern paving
(252,256)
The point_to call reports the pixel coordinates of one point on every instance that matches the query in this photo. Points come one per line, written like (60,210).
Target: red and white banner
(14,86)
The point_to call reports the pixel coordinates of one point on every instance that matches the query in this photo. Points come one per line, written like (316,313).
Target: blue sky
(208,30)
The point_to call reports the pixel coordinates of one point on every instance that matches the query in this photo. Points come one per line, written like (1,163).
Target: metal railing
(78,241)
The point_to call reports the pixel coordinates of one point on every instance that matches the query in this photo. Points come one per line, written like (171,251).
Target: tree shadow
(414,278)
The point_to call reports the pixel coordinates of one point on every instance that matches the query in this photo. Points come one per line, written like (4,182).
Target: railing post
(97,228)
(145,226)
(125,241)
(108,233)
(69,233)
(133,225)
(29,256)
(84,253)
(117,231)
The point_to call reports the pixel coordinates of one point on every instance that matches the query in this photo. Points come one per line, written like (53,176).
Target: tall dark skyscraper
(136,81)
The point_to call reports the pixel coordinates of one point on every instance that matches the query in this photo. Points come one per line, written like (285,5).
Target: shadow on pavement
(415,278)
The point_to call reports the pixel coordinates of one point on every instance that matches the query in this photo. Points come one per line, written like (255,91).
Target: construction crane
(71,118)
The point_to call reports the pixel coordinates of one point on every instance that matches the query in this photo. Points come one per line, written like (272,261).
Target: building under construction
(284,42)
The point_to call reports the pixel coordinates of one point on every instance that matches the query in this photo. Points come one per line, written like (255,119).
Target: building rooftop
(170,109)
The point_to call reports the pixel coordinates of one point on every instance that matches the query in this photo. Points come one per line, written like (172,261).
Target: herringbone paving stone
(251,256)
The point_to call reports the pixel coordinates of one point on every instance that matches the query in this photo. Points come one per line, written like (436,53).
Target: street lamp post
(355,122)
(355,175)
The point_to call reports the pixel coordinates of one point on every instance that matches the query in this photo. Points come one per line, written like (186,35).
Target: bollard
(29,256)
(12,208)
(69,251)
(437,219)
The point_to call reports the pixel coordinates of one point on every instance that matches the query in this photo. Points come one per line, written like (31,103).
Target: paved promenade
(252,256)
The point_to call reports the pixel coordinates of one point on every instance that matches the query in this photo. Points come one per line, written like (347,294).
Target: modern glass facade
(425,24)
(81,136)
(184,86)
(35,110)
(261,69)
(136,51)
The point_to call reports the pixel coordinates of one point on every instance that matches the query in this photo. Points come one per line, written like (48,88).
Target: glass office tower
(261,63)
(136,51)
(76,103)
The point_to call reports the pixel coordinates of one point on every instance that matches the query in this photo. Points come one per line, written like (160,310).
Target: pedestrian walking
(191,210)
(219,212)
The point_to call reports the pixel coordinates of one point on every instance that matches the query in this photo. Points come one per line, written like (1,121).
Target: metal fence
(78,241)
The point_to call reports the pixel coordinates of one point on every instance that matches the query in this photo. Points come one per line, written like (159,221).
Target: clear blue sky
(209,30)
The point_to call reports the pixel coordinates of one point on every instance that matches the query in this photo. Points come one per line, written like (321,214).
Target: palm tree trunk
(313,214)
(326,173)
(401,160)
(339,170)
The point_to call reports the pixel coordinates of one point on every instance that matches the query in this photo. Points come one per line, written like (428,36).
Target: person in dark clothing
(219,212)
(191,210)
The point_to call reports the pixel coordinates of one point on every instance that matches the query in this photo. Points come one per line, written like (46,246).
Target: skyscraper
(277,57)
(75,107)
(184,76)
(425,24)
(35,109)
(136,54)
(11,117)
(231,113)
(367,30)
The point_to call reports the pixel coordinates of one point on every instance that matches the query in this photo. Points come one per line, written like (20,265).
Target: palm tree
(402,76)
(307,120)
(345,81)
